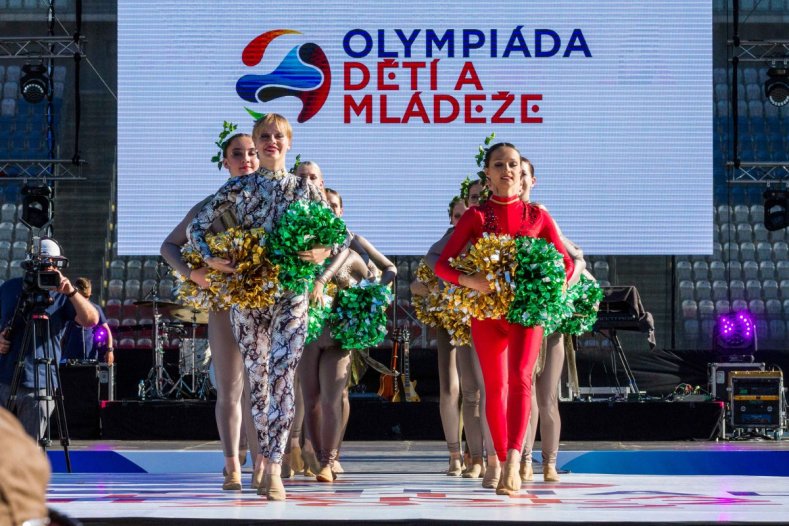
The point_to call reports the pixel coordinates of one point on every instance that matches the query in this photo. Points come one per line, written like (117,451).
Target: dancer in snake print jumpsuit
(271,339)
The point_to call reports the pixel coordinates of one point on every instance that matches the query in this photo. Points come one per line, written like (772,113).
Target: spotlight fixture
(735,336)
(776,209)
(776,88)
(34,83)
(37,205)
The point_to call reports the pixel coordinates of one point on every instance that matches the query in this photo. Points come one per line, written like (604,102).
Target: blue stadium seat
(689,310)
(764,251)
(767,270)
(717,270)
(736,289)
(770,289)
(747,251)
(684,270)
(755,306)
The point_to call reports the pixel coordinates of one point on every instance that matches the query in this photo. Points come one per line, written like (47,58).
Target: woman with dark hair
(507,351)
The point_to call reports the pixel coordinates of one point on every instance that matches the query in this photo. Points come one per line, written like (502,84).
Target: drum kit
(194,361)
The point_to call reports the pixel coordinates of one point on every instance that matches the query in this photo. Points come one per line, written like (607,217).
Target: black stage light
(36,205)
(34,83)
(776,209)
(776,88)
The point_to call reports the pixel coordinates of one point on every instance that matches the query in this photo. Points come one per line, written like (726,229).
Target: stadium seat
(686,290)
(134,269)
(8,213)
(691,329)
(10,90)
(741,214)
(117,269)
(722,307)
(778,331)
(12,73)
(684,270)
(129,309)
(148,286)
(764,251)
(753,289)
(6,231)
(700,270)
(3,269)
(755,306)
(717,251)
(21,232)
(728,233)
(126,343)
(780,253)
(149,269)
(738,305)
(690,310)
(15,269)
(144,343)
(736,290)
(750,270)
(113,308)
(5,251)
(731,252)
(786,307)
(770,289)
(703,290)
(760,233)
(720,290)
(762,329)
(166,287)
(706,309)
(757,214)
(744,234)
(717,270)
(784,288)
(724,214)
(132,289)
(766,270)
(115,289)
(19,250)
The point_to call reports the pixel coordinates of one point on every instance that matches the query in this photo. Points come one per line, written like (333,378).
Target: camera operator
(60,300)
(88,343)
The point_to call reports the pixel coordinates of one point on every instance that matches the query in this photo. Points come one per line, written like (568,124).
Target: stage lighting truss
(44,169)
(41,48)
(773,53)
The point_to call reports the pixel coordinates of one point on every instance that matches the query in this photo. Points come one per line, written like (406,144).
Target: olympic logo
(304,73)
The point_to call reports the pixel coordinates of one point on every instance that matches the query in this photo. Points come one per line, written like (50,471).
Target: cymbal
(162,304)
(188,314)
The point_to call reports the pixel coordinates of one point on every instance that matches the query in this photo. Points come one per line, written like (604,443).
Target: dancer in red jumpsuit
(507,351)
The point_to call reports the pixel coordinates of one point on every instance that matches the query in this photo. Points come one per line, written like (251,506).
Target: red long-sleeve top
(499,215)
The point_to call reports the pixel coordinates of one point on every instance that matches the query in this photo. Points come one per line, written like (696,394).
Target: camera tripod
(37,332)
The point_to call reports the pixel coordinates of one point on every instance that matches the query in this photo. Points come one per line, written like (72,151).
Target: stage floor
(403,482)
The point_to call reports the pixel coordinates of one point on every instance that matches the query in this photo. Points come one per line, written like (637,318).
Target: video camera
(42,259)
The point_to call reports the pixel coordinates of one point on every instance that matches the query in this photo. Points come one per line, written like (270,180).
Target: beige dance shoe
(272,487)
(325,474)
(232,481)
(455,467)
(492,476)
(510,482)
(527,471)
(476,469)
(296,460)
(257,479)
(549,473)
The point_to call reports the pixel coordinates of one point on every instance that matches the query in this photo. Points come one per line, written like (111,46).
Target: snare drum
(195,356)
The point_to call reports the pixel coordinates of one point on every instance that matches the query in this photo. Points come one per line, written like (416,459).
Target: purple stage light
(735,333)
(100,335)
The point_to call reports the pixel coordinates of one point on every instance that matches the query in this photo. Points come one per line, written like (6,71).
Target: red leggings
(507,354)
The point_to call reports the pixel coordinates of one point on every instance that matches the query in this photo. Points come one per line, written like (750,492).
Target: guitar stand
(610,335)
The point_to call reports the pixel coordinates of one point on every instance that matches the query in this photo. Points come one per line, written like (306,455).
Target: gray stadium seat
(21,232)
(3,269)
(149,269)
(720,290)
(786,307)
(706,309)
(764,251)
(750,270)
(731,252)
(691,329)
(115,289)
(766,270)
(166,287)
(770,289)
(5,250)
(15,269)
(753,289)
(762,329)
(784,286)
(778,331)
(690,310)
(738,305)
(755,306)
(717,251)
(147,286)
(18,250)
(686,290)
(728,233)
(744,234)
(757,214)
(8,212)
(722,307)
(734,270)
(700,270)
(132,289)
(703,290)
(117,269)
(6,231)
(134,269)
(736,290)
(684,270)
(772,308)
(741,214)
(760,233)
(717,270)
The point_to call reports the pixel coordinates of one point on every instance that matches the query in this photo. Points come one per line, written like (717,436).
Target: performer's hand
(316,296)
(5,345)
(109,357)
(477,281)
(198,275)
(222,265)
(419,289)
(317,254)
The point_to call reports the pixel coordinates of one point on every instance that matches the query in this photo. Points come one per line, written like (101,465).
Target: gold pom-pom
(495,256)
(428,308)
(253,285)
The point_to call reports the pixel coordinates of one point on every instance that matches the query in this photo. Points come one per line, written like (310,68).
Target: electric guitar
(409,386)
(388,388)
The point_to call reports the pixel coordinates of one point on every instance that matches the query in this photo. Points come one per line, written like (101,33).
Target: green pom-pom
(539,279)
(304,225)
(316,319)
(584,298)
(359,318)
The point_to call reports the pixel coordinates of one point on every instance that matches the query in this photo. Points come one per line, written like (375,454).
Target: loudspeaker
(84,387)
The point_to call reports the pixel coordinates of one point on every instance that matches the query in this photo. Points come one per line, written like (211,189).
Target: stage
(140,483)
